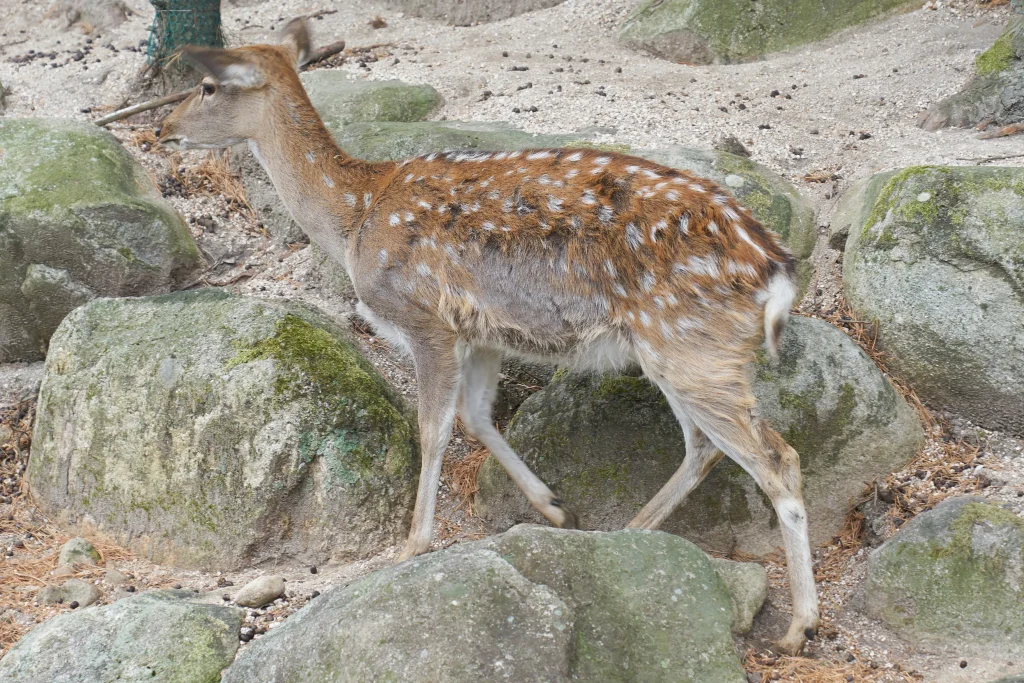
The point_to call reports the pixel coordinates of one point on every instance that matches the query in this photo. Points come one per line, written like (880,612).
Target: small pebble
(963,663)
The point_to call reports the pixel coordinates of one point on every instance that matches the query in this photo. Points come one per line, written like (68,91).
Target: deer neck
(326,191)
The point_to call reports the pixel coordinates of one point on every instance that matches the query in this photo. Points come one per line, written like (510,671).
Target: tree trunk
(178,23)
(995,94)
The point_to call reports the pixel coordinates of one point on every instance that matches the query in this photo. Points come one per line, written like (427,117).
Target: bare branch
(173,98)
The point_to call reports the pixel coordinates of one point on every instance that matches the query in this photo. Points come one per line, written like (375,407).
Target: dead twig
(985,160)
(1003,132)
(321,13)
(173,98)
(324,52)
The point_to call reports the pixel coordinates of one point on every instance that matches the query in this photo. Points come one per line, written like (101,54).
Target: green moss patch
(351,420)
(998,57)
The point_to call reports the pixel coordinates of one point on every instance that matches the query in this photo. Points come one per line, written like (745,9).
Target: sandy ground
(847,105)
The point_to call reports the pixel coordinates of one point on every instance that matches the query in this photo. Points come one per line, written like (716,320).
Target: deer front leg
(437,376)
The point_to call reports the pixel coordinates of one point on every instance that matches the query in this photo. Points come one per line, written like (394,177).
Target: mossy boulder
(157,636)
(772,199)
(608,443)
(725,31)
(469,12)
(535,604)
(78,219)
(209,430)
(340,100)
(936,256)
(952,576)
(994,94)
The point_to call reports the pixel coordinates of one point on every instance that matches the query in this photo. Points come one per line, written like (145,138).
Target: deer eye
(208,88)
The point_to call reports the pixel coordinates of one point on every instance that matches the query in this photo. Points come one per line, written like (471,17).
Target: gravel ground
(846,105)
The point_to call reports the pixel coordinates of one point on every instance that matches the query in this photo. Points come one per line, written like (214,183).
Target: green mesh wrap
(183,22)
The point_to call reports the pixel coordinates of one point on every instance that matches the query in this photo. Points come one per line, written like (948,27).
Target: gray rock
(747,583)
(211,430)
(260,592)
(534,604)
(115,578)
(848,216)
(98,14)
(79,551)
(952,576)
(341,99)
(3,98)
(156,636)
(72,590)
(725,31)
(607,444)
(935,255)
(19,382)
(995,93)
(79,218)
(64,570)
(469,12)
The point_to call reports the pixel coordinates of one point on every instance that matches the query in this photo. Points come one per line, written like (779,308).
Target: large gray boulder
(209,430)
(952,576)
(995,93)
(535,604)
(936,256)
(156,636)
(724,31)
(341,99)
(78,219)
(608,443)
(469,12)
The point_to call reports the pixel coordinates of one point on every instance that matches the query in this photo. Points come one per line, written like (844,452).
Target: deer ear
(295,37)
(227,67)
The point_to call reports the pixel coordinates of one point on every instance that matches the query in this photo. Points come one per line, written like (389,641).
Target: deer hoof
(568,518)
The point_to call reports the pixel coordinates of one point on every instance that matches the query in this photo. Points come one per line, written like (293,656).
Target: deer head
(231,104)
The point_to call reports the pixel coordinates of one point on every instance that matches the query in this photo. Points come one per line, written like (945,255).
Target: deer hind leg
(701,458)
(479,388)
(437,378)
(723,410)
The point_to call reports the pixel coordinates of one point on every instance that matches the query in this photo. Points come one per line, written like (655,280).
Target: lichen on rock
(212,430)
(79,218)
(934,254)
(952,576)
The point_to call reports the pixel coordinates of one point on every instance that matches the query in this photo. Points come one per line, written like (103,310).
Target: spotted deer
(580,257)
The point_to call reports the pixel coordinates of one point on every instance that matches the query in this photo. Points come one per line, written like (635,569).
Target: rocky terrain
(215,477)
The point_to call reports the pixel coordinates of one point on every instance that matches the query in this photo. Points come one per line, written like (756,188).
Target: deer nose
(158,129)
